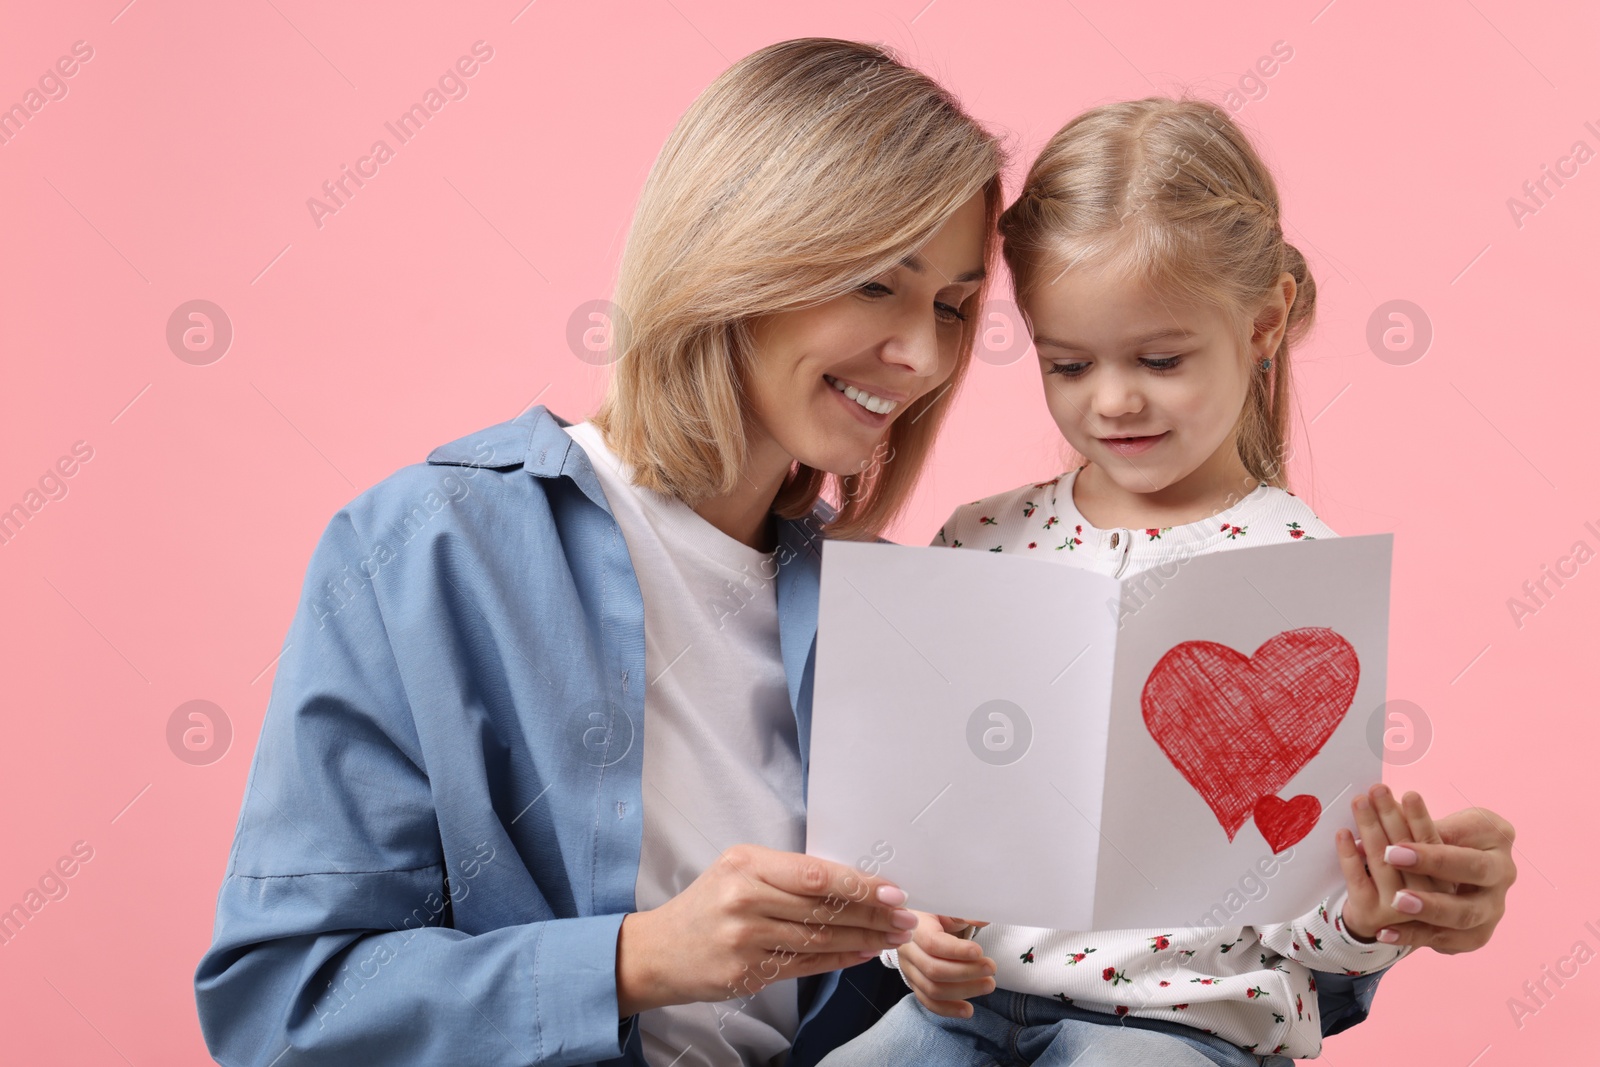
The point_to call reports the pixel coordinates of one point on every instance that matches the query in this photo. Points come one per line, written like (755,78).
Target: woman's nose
(915,346)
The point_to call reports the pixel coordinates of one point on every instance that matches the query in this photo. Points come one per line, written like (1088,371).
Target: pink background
(436,302)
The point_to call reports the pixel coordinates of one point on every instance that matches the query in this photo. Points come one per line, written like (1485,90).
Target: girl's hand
(755,917)
(1378,891)
(945,970)
(1469,854)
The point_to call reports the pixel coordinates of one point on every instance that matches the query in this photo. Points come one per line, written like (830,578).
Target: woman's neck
(745,513)
(743,517)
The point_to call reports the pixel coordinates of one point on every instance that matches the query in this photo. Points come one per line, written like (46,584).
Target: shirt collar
(537,442)
(1192,538)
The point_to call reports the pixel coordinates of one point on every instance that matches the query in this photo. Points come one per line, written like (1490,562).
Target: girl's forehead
(1092,295)
(1098,313)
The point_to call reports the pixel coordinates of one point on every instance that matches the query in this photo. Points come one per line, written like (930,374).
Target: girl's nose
(1116,395)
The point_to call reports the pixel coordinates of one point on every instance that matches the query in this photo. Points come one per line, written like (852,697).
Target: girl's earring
(1266,364)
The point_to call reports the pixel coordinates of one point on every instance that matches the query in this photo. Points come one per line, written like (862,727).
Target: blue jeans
(1014,1029)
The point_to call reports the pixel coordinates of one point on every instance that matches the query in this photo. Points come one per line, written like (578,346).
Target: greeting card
(1038,744)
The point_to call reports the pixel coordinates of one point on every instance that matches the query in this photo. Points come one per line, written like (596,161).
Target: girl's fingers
(941,994)
(1396,828)
(1358,883)
(950,947)
(952,925)
(1374,841)
(941,970)
(934,939)
(1423,831)
(1421,821)
(950,1009)
(953,991)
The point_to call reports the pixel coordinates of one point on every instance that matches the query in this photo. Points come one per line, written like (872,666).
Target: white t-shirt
(1252,986)
(721,751)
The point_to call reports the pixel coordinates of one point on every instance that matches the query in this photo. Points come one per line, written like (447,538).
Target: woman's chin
(841,467)
(843,454)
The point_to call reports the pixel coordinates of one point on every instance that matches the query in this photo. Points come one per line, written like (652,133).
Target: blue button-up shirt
(441,825)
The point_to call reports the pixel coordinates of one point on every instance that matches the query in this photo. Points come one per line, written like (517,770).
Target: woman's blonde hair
(1170,193)
(802,172)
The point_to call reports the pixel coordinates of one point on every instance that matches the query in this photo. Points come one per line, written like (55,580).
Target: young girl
(1149,261)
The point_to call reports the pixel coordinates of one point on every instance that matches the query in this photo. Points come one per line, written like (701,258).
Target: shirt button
(1114,538)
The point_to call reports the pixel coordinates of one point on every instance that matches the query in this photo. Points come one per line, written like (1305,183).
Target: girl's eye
(948,313)
(1159,364)
(877,289)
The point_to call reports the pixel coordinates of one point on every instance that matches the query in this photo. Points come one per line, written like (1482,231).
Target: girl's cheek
(1067,417)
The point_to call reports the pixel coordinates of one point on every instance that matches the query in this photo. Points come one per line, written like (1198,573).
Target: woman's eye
(945,312)
(1162,363)
(1071,370)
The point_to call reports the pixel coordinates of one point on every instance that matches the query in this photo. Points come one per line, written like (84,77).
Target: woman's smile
(872,406)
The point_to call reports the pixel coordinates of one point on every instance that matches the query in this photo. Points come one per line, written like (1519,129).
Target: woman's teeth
(875,404)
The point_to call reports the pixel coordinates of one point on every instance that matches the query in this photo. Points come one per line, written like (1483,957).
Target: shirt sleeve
(949,535)
(890,957)
(1319,940)
(332,934)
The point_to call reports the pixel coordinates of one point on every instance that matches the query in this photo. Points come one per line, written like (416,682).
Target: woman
(530,787)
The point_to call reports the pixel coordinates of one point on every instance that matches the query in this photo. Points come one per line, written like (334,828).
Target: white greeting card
(1037,744)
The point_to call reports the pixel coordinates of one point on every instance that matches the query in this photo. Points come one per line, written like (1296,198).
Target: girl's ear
(1273,317)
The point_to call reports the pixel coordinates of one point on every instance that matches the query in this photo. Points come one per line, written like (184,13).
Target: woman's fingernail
(891,895)
(1409,903)
(898,937)
(1388,936)
(868,954)
(905,920)
(1399,856)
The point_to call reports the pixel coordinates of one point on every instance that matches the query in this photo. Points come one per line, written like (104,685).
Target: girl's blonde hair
(1170,193)
(802,172)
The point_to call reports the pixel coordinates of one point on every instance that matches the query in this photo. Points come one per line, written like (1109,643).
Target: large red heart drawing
(1238,728)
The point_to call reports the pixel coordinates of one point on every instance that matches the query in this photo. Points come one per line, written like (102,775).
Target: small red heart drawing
(1283,822)
(1238,727)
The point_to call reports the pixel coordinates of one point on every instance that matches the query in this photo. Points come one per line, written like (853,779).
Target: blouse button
(1114,538)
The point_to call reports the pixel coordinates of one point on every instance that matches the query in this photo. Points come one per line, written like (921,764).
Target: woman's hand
(1468,854)
(944,970)
(755,917)
(1376,891)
